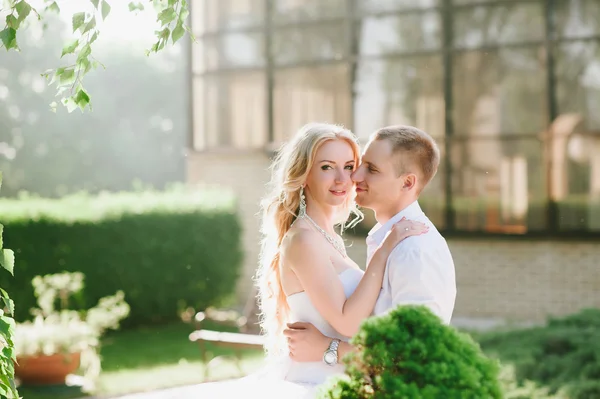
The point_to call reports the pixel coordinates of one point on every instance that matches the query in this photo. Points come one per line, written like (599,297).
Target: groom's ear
(410,181)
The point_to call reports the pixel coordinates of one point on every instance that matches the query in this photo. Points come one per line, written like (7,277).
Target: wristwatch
(330,357)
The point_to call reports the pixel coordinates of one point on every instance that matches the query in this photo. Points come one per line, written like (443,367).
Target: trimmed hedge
(562,355)
(165,250)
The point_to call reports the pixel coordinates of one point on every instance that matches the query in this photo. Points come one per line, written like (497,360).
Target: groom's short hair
(414,149)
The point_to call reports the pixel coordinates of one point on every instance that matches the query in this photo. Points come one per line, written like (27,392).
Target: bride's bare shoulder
(300,238)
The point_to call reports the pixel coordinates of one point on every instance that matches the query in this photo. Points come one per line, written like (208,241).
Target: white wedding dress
(282,378)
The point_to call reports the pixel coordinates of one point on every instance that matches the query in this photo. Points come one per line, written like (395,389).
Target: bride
(305,273)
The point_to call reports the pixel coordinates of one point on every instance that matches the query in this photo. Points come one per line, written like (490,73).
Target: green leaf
(1,242)
(78,20)
(95,3)
(167,15)
(7,260)
(23,9)
(183,14)
(69,103)
(178,32)
(10,304)
(82,99)
(84,53)
(7,325)
(133,6)
(56,76)
(89,26)
(12,22)
(8,36)
(70,48)
(105,9)
(94,37)
(67,77)
(54,7)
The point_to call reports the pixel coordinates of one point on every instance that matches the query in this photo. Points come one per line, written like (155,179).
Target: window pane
(576,180)
(490,25)
(433,196)
(578,81)
(411,32)
(234,111)
(303,95)
(498,185)
(231,14)
(575,145)
(309,43)
(243,49)
(289,11)
(366,6)
(199,119)
(578,18)
(198,53)
(399,91)
(500,92)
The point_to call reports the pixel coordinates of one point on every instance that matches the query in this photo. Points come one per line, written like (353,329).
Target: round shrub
(409,353)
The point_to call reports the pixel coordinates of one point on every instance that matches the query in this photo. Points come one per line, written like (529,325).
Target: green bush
(409,353)
(165,250)
(563,355)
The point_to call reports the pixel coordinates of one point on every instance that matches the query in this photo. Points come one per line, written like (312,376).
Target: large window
(510,89)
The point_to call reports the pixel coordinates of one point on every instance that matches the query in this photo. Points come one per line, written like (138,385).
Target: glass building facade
(510,89)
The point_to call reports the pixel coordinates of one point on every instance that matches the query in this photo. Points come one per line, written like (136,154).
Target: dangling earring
(302,210)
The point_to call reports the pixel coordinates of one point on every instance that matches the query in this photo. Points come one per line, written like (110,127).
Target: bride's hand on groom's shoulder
(404,229)
(305,342)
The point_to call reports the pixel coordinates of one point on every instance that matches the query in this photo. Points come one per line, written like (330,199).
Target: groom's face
(377,180)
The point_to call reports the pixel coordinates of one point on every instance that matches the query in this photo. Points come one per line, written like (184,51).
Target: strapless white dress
(284,377)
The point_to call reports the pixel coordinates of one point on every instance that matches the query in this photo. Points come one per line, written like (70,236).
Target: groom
(397,163)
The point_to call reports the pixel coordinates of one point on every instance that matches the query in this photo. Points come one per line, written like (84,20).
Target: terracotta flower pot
(46,370)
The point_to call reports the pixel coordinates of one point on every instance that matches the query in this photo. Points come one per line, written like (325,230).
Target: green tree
(134,133)
(77,52)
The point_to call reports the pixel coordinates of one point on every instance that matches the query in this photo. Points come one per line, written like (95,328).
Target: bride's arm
(305,254)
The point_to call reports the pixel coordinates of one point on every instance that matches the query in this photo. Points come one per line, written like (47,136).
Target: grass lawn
(149,359)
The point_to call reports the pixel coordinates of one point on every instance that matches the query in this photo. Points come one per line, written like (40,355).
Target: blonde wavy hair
(279,209)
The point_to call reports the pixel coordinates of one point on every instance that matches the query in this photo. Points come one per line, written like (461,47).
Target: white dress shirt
(419,271)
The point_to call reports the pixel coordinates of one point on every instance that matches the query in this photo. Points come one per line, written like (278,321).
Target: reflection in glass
(575,145)
(234,110)
(578,18)
(399,91)
(578,80)
(500,92)
(498,185)
(304,95)
(290,11)
(239,49)
(230,14)
(309,43)
(411,32)
(502,24)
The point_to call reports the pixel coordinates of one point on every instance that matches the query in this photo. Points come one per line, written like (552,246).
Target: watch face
(330,358)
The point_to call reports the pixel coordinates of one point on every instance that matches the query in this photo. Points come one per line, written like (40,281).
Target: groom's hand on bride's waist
(305,342)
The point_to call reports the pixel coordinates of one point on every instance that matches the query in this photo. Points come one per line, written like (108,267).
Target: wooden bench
(246,338)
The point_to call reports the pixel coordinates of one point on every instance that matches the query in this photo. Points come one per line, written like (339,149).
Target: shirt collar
(378,232)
